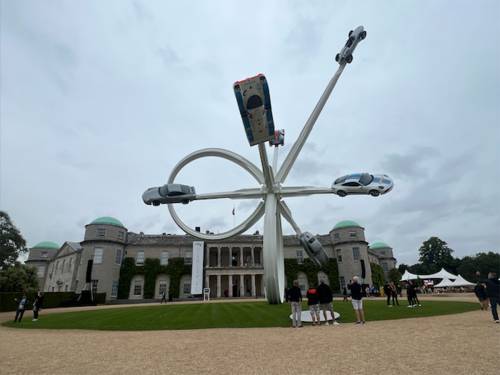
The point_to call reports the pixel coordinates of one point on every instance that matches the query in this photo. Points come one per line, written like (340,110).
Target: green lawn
(221,315)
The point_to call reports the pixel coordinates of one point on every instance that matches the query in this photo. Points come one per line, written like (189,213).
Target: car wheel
(350,32)
(374,193)
(349,59)
(341,193)
(337,57)
(362,35)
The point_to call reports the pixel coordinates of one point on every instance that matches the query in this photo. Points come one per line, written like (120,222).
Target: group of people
(22,304)
(391,292)
(320,299)
(488,291)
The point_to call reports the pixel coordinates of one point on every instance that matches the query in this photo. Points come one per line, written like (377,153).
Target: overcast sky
(99,100)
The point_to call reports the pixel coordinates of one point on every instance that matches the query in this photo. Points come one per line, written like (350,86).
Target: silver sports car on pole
(169,193)
(362,183)
(313,248)
(355,36)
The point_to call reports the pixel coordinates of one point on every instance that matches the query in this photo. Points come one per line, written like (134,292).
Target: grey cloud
(410,165)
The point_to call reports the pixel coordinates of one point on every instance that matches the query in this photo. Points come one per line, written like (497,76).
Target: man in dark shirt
(357,300)
(313,303)
(493,293)
(480,292)
(295,298)
(326,301)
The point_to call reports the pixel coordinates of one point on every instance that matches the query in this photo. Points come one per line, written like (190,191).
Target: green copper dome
(46,245)
(346,224)
(108,220)
(379,245)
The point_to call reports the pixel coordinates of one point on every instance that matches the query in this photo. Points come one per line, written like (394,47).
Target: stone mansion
(231,268)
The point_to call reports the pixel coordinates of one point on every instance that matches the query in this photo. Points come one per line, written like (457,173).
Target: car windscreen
(340,180)
(365,179)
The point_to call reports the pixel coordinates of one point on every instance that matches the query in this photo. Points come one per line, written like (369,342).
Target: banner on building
(197,268)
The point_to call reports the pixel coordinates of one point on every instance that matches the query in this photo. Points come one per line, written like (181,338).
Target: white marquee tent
(442,274)
(444,283)
(460,281)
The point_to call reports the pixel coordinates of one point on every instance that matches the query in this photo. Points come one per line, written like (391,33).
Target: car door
(351,187)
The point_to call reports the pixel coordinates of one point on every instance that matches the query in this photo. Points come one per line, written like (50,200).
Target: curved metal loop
(235,158)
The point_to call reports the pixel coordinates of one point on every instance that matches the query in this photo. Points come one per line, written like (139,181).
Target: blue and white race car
(254,103)
(362,183)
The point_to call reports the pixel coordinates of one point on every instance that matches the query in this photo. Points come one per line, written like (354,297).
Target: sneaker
(327,324)
(389,305)
(358,322)
(336,323)
(497,321)
(419,304)
(34,320)
(300,326)
(363,322)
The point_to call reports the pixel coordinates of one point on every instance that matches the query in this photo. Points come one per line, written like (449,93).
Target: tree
(435,252)
(12,244)
(402,268)
(394,275)
(482,262)
(377,275)
(18,278)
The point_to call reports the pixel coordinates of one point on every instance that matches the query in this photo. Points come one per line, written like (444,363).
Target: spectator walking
(21,306)
(394,294)
(313,303)
(326,302)
(163,297)
(295,298)
(493,293)
(37,305)
(387,292)
(480,292)
(344,293)
(357,300)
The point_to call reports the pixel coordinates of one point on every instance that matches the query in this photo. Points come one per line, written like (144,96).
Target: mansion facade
(231,268)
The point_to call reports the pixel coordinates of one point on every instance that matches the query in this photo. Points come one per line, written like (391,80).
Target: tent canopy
(460,281)
(442,274)
(408,276)
(445,282)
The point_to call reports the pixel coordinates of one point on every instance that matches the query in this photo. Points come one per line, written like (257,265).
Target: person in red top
(313,303)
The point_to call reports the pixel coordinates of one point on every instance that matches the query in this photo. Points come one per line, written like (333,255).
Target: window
(66,288)
(188,257)
(336,236)
(101,232)
(44,254)
(137,288)
(76,285)
(352,183)
(97,255)
(366,178)
(339,255)
(342,282)
(385,267)
(382,252)
(121,235)
(40,271)
(164,258)
(187,288)
(70,264)
(340,180)
(52,288)
(355,253)
(352,234)
(139,258)
(57,266)
(62,267)
(114,289)
(118,256)
(300,257)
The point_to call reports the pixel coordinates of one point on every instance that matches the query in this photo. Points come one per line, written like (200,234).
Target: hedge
(378,277)
(50,299)
(151,269)
(292,268)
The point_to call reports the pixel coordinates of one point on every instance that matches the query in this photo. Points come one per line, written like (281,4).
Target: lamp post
(271,192)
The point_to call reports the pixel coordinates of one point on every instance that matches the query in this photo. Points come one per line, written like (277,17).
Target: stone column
(253,258)
(242,285)
(241,257)
(230,282)
(207,257)
(254,293)
(218,286)
(218,257)
(230,256)
(207,281)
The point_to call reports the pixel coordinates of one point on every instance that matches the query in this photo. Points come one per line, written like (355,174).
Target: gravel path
(467,343)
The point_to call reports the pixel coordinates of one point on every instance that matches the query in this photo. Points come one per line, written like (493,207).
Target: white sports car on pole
(313,248)
(345,56)
(254,103)
(169,193)
(362,183)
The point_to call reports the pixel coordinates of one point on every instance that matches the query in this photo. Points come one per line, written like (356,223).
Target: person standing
(163,297)
(387,292)
(493,293)
(410,291)
(480,292)
(394,293)
(357,300)
(313,303)
(326,302)
(21,306)
(37,305)
(344,293)
(295,298)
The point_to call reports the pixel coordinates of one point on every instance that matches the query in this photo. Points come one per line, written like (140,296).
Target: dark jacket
(312,296)
(480,291)
(324,293)
(294,294)
(492,288)
(356,292)
(37,303)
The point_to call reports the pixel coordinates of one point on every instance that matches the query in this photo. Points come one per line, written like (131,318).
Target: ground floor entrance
(235,285)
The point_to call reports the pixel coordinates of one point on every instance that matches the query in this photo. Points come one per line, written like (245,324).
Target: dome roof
(46,245)
(346,224)
(379,245)
(108,220)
